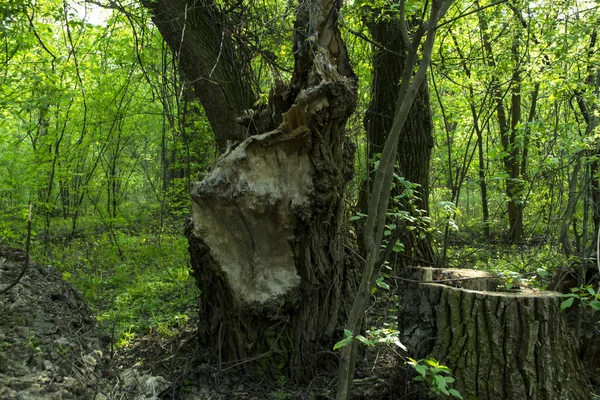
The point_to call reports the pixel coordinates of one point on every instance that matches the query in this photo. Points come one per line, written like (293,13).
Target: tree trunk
(202,37)
(480,152)
(499,345)
(268,235)
(572,200)
(508,130)
(416,140)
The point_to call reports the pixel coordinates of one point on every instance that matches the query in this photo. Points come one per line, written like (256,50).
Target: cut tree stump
(498,344)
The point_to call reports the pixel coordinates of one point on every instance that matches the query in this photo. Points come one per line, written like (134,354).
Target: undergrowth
(134,282)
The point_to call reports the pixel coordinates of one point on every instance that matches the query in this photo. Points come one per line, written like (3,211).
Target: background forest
(103,134)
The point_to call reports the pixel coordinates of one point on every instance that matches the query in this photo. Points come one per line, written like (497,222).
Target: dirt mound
(50,344)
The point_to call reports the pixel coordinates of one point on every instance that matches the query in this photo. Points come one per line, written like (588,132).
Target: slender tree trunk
(483,185)
(588,111)
(567,219)
(508,132)
(382,184)
(480,152)
(514,185)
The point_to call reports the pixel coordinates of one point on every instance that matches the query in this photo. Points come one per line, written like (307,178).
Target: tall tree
(416,139)
(509,121)
(382,185)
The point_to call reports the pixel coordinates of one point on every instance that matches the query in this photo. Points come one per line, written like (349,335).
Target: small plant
(280,394)
(438,377)
(32,341)
(387,336)
(586,295)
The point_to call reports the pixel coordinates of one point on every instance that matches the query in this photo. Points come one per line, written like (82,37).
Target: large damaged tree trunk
(268,235)
(499,345)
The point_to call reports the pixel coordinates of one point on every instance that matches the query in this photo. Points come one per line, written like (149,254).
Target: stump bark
(498,344)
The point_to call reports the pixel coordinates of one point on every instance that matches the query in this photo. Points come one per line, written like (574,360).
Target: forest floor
(51,347)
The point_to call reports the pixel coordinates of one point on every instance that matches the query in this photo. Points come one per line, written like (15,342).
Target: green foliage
(373,337)
(151,291)
(587,296)
(503,259)
(438,377)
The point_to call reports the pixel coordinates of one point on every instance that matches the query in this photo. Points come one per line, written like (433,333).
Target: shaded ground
(50,345)
(52,348)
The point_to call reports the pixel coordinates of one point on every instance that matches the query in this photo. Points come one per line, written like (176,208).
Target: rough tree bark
(202,39)
(416,140)
(268,233)
(499,345)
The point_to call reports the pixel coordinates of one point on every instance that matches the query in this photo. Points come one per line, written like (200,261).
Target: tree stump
(498,344)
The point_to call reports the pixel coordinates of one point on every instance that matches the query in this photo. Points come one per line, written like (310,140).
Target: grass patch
(135,283)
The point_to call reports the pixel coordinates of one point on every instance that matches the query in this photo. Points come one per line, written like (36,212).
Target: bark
(499,345)
(589,111)
(268,235)
(382,184)
(567,219)
(201,36)
(483,185)
(416,140)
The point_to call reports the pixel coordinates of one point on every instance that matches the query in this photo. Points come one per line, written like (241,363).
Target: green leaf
(342,343)
(591,291)
(357,216)
(363,340)
(440,382)
(421,369)
(382,284)
(595,305)
(398,247)
(449,379)
(567,303)
(455,393)
(432,362)
(542,273)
